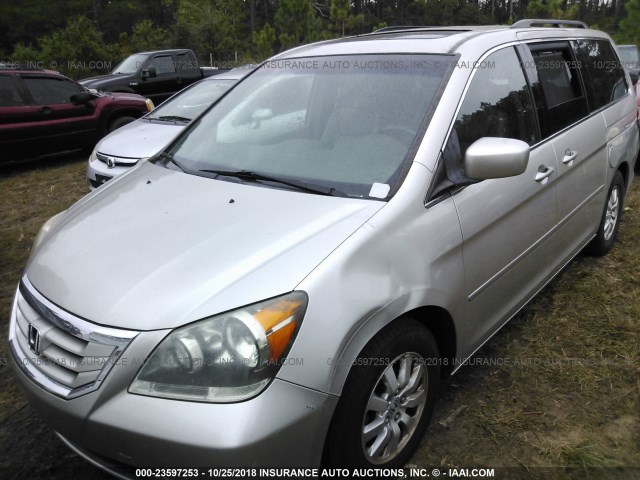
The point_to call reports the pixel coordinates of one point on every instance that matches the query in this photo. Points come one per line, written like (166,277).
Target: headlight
(226,358)
(94,154)
(149,103)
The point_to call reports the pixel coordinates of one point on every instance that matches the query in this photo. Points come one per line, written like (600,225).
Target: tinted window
(498,103)
(51,90)
(604,77)
(560,97)
(9,96)
(163,64)
(186,61)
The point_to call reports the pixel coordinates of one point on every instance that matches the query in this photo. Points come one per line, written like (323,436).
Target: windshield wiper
(257,177)
(169,158)
(172,118)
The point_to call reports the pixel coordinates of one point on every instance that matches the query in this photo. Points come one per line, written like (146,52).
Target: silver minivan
(288,281)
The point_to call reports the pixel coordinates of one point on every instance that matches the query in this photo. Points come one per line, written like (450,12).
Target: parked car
(43,112)
(286,283)
(630,56)
(119,151)
(157,74)
(636,88)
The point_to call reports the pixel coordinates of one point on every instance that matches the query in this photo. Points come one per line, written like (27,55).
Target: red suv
(43,112)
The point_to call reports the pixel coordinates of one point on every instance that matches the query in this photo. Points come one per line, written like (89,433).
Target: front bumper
(284,426)
(99,173)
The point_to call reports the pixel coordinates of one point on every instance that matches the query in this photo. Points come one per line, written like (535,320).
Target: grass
(558,388)
(29,198)
(30,195)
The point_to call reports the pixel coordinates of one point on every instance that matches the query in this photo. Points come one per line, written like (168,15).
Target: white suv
(288,281)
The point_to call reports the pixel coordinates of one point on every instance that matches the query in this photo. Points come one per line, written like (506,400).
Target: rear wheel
(387,400)
(610,221)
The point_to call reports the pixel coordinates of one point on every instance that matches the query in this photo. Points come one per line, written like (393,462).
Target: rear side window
(163,64)
(560,96)
(604,77)
(186,62)
(498,103)
(9,96)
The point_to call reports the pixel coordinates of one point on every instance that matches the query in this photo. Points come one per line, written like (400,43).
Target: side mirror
(493,157)
(634,76)
(149,72)
(80,98)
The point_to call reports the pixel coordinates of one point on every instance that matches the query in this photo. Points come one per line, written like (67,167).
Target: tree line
(82,37)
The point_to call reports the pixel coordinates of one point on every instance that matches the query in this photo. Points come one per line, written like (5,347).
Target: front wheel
(610,220)
(387,400)
(119,122)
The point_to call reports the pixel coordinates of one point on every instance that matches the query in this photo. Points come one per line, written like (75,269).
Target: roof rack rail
(428,28)
(541,22)
(397,28)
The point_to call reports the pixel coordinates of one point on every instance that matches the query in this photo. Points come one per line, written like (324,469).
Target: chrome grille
(66,355)
(116,161)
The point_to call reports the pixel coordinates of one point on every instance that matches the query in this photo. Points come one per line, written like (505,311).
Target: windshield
(343,123)
(630,56)
(190,103)
(130,64)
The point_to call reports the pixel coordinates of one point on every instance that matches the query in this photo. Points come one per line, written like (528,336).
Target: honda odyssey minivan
(286,283)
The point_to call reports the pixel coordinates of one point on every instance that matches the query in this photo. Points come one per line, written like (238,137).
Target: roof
(442,40)
(234,74)
(22,71)
(170,50)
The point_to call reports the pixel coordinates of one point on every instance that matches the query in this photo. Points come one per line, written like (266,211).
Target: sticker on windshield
(379,190)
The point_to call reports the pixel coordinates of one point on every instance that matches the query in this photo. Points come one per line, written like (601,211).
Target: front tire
(610,220)
(119,122)
(387,400)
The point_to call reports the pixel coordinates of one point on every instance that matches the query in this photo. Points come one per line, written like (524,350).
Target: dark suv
(43,112)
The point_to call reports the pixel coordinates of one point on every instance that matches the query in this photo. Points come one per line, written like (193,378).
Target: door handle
(569,157)
(45,110)
(543,174)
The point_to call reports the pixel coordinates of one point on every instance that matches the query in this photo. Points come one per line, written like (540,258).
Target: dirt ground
(555,394)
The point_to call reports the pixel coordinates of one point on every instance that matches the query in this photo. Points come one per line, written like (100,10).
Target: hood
(156,248)
(139,139)
(102,81)
(123,96)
